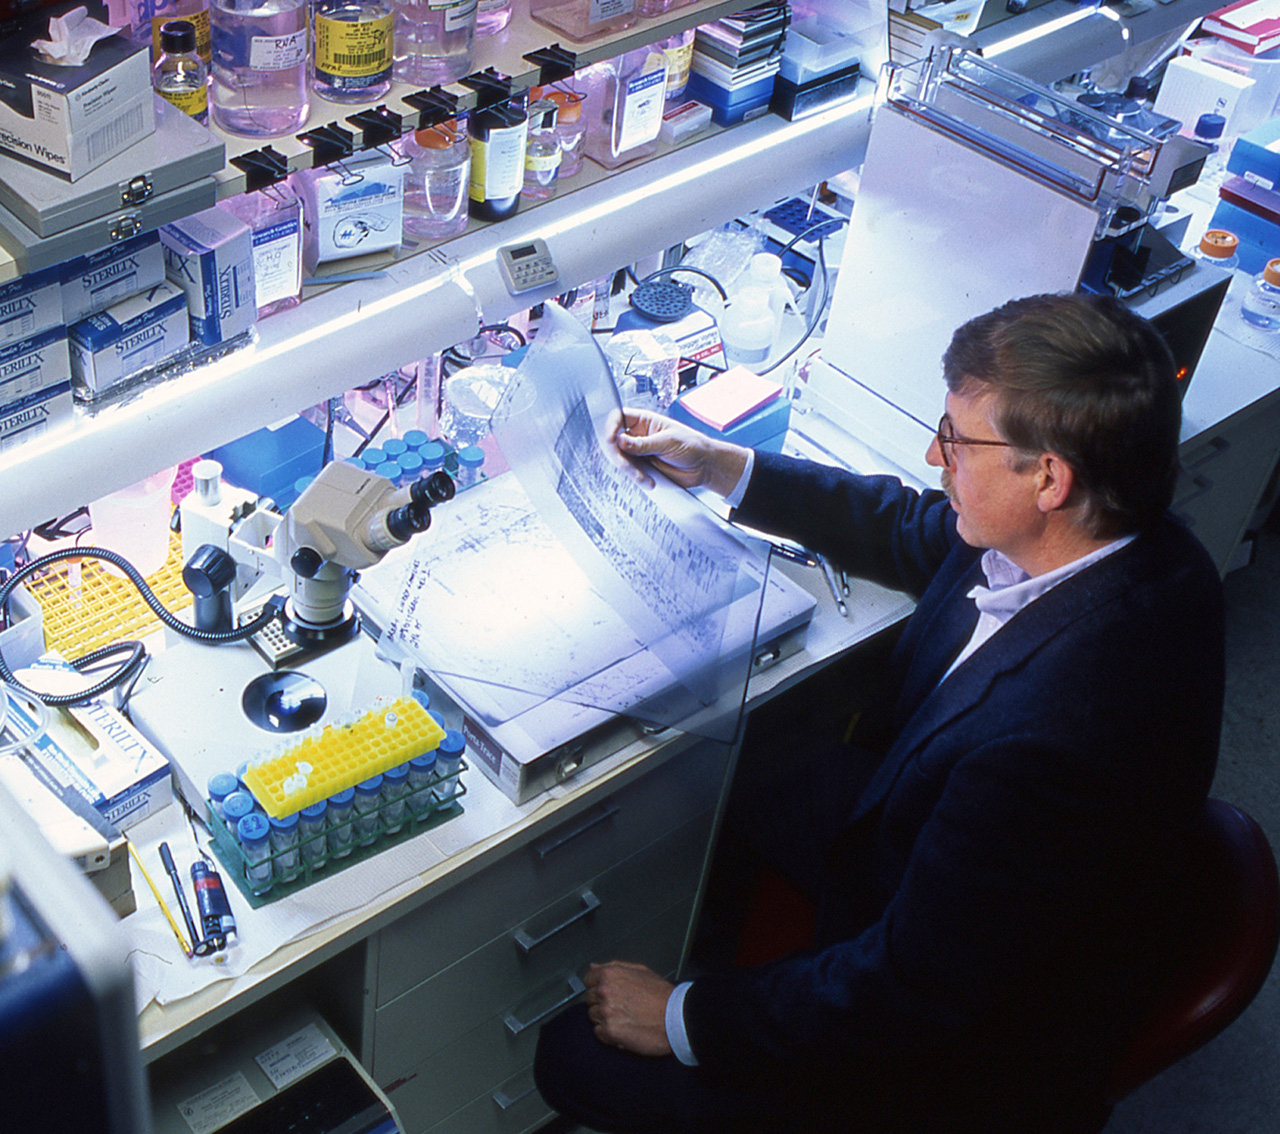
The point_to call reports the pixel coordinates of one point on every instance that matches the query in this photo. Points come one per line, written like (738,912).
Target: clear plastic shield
(567,590)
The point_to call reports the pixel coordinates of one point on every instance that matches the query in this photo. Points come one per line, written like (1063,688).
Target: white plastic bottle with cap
(1218,247)
(1260,306)
(765,271)
(747,327)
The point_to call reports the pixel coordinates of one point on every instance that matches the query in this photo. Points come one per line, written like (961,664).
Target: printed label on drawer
(217,1105)
(294,1057)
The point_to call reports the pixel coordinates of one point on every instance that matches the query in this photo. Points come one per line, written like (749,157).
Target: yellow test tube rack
(341,755)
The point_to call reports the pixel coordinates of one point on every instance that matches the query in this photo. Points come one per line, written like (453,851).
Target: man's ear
(1054,481)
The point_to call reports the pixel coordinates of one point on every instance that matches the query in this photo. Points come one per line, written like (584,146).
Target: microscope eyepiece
(433,489)
(409,519)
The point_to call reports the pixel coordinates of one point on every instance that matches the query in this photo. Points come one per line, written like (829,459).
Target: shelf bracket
(491,87)
(261,168)
(377,125)
(328,144)
(434,106)
(554,63)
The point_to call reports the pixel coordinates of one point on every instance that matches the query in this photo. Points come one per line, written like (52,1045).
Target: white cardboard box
(94,751)
(129,336)
(210,257)
(73,119)
(35,414)
(30,304)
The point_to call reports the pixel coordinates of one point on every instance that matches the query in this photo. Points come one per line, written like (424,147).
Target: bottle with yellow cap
(1260,306)
(435,188)
(1218,247)
(571,129)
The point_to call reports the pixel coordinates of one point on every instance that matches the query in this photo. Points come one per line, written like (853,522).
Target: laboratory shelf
(506,53)
(355,332)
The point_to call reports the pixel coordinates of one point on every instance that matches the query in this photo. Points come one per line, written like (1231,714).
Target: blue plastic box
(270,461)
(730,107)
(1254,153)
(765,429)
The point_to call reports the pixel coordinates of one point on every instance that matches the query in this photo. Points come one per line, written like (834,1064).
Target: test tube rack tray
(431,811)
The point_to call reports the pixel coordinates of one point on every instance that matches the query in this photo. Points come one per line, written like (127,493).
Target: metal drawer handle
(507,1101)
(527,941)
(576,989)
(588,819)
(1199,486)
(1207,452)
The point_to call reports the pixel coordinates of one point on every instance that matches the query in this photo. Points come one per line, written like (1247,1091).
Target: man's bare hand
(684,455)
(627,1003)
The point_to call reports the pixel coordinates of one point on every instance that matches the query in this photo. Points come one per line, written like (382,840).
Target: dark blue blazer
(1019,827)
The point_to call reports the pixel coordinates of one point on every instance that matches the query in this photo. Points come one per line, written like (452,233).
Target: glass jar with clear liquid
(1260,306)
(470,397)
(352,49)
(433,40)
(492,16)
(436,182)
(259,85)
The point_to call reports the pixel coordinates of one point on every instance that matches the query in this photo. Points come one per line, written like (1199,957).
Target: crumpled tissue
(71,38)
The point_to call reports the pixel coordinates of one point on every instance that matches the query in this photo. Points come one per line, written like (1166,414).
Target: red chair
(1233,924)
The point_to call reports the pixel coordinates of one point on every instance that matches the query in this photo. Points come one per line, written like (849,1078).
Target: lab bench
(438,986)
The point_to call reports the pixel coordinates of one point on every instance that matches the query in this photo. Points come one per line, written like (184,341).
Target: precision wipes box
(129,336)
(73,119)
(210,257)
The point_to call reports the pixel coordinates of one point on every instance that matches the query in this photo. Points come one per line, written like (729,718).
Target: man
(992,862)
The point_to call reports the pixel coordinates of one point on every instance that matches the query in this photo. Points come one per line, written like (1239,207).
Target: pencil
(177,931)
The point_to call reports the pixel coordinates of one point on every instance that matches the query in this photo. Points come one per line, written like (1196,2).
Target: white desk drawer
(484,1080)
(562,937)
(580,848)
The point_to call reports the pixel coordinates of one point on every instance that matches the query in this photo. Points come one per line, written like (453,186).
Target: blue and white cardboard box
(129,336)
(35,414)
(94,751)
(30,304)
(210,257)
(34,364)
(95,281)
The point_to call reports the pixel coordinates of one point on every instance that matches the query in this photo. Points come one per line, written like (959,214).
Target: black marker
(167,858)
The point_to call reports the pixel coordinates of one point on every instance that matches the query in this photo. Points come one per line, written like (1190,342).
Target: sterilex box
(33,364)
(210,257)
(29,305)
(96,281)
(130,336)
(73,119)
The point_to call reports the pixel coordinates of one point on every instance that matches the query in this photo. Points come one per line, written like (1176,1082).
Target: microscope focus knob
(209,570)
(306,562)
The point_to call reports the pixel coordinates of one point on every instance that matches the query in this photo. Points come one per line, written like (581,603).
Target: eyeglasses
(947,437)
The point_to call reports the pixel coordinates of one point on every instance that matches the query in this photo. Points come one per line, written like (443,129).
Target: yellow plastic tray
(86,606)
(342,755)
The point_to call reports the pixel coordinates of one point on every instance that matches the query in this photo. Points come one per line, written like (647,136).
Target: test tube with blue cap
(312,821)
(422,775)
(254,833)
(236,806)
(374,458)
(415,439)
(340,822)
(221,785)
(470,463)
(433,455)
(394,448)
(286,864)
(410,465)
(368,799)
(395,785)
(448,761)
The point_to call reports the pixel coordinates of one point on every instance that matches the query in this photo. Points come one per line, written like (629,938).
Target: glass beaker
(436,180)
